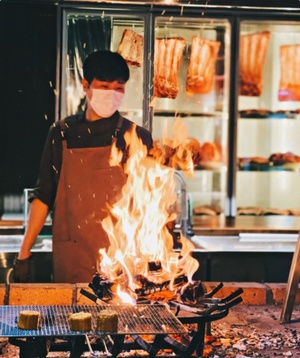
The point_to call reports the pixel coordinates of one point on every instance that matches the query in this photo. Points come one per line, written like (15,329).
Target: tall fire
(141,245)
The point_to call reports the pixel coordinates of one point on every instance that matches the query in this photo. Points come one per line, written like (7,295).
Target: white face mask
(106,102)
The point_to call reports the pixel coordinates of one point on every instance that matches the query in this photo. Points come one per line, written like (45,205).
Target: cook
(75,178)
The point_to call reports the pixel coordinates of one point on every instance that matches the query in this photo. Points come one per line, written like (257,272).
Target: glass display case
(202,106)
(268,148)
(85,31)
(231,77)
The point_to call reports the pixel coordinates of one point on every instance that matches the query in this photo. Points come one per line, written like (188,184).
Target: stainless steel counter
(12,243)
(41,267)
(221,226)
(246,242)
(247,257)
(236,249)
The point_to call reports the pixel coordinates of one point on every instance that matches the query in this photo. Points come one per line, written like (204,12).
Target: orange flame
(125,297)
(173,149)
(137,224)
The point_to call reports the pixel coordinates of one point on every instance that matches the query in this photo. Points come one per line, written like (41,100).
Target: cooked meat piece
(274,211)
(289,86)
(167,57)
(178,155)
(211,210)
(254,160)
(211,152)
(284,158)
(295,212)
(131,48)
(249,210)
(192,145)
(255,113)
(202,65)
(162,153)
(252,54)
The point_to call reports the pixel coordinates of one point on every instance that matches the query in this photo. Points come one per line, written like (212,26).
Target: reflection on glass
(91,31)
(86,34)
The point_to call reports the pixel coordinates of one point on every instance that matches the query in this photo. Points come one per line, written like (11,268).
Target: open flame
(124,296)
(173,150)
(140,243)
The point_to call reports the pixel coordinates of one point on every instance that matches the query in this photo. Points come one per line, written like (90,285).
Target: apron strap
(117,130)
(118,126)
(63,127)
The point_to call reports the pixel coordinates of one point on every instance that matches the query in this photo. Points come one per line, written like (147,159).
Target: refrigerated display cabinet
(247,121)
(268,149)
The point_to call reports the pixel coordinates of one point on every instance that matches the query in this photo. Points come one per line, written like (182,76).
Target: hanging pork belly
(131,47)
(202,65)
(167,56)
(252,55)
(289,86)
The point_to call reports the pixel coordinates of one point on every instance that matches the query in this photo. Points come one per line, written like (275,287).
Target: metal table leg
(292,286)
(31,347)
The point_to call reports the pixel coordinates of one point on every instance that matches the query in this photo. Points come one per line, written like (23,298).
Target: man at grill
(75,178)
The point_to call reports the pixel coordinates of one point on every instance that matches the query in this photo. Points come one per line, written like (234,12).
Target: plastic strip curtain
(86,34)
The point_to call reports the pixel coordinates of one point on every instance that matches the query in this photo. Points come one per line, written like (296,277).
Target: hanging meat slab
(202,65)
(131,47)
(252,55)
(167,56)
(289,86)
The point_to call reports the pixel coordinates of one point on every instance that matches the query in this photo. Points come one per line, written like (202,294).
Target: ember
(182,292)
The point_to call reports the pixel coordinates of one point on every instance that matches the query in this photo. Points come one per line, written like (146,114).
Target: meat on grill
(289,86)
(252,54)
(202,65)
(167,57)
(131,47)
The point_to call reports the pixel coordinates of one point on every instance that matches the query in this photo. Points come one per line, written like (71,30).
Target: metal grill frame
(202,314)
(140,319)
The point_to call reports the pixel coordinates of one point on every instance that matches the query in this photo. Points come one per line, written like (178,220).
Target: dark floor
(255,331)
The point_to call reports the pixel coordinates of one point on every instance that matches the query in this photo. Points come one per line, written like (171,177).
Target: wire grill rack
(139,319)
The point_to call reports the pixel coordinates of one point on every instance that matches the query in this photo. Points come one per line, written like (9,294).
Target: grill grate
(140,319)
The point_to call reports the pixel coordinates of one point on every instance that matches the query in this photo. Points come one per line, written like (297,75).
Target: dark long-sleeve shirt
(78,133)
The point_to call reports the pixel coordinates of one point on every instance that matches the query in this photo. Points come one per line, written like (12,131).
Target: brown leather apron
(87,183)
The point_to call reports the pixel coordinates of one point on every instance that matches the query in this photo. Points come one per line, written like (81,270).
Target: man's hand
(21,272)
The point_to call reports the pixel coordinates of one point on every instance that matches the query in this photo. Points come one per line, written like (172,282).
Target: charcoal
(101,286)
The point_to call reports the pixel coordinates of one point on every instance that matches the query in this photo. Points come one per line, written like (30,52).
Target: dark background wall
(27,100)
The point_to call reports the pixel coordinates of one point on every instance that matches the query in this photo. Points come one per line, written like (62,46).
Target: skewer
(93,354)
(105,347)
